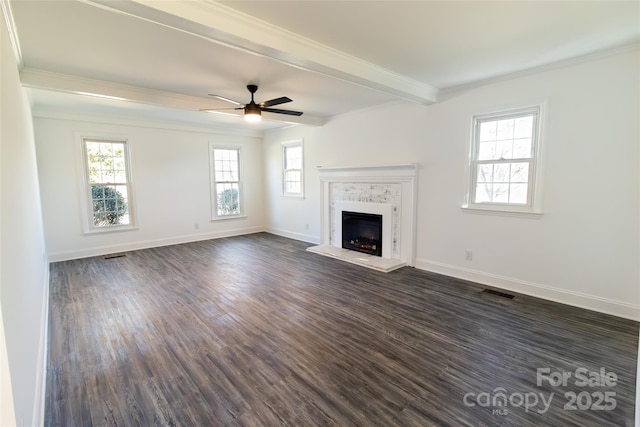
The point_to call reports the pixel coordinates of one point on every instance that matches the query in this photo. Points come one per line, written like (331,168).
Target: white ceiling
(158,60)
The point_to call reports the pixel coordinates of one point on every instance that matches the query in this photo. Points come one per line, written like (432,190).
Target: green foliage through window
(109,206)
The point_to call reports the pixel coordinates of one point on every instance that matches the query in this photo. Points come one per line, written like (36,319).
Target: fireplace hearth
(362,232)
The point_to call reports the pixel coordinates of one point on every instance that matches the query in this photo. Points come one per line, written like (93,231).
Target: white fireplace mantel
(402,178)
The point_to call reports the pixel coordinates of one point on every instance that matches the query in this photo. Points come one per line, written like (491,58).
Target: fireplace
(362,232)
(389,191)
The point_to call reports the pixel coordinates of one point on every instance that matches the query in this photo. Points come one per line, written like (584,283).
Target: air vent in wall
(114,256)
(498,294)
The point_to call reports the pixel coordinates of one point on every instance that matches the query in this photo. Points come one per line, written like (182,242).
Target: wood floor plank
(256,331)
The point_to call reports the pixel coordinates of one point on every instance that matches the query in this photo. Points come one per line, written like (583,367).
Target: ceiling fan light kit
(252,110)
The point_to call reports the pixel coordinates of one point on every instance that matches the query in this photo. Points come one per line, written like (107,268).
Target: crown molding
(13,32)
(594,56)
(221,24)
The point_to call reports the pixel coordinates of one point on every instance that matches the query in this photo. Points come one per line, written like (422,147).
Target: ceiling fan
(252,110)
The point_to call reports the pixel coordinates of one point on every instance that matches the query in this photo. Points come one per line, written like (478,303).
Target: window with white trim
(504,161)
(292,169)
(108,186)
(226,185)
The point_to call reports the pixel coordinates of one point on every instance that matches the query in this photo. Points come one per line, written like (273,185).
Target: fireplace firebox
(362,232)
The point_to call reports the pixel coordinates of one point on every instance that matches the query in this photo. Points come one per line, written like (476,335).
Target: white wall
(584,250)
(23,264)
(170,171)
(7,410)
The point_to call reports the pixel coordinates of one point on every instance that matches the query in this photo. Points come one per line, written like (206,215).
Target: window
(226,182)
(292,169)
(504,159)
(107,183)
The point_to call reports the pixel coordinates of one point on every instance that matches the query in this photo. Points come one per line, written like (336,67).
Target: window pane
(293,187)
(520,172)
(97,192)
(99,220)
(219,170)
(120,176)
(293,181)
(120,214)
(518,193)
(106,150)
(487,151)
(228,199)
(293,157)
(94,163)
(523,127)
(483,193)
(500,193)
(504,149)
(501,172)
(505,129)
(522,148)
(488,131)
(485,173)
(292,176)
(107,176)
(226,165)
(109,204)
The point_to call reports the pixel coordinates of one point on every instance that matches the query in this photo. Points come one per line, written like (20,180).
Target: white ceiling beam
(39,79)
(221,24)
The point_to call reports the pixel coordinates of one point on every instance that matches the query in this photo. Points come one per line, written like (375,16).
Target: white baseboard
(41,373)
(145,244)
(577,299)
(308,238)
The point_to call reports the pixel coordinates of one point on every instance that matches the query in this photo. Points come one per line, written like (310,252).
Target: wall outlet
(468,255)
(306,226)
(196,226)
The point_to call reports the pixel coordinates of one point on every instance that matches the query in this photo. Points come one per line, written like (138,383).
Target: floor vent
(498,294)
(112,256)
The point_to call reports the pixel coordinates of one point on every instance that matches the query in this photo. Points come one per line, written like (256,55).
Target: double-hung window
(106,165)
(504,161)
(226,185)
(292,169)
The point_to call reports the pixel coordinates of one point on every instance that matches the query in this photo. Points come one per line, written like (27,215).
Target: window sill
(501,212)
(293,196)
(227,218)
(114,229)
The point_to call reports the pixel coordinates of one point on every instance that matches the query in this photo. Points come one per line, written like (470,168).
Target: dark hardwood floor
(255,331)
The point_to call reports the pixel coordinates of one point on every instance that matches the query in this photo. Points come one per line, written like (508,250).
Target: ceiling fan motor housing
(252,108)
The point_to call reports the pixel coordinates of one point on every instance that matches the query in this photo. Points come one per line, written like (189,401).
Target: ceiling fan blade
(275,101)
(221,109)
(222,98)
(278,111)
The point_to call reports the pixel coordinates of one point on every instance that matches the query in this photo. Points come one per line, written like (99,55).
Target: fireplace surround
(388,190)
